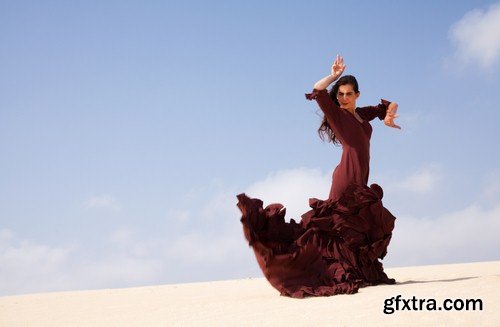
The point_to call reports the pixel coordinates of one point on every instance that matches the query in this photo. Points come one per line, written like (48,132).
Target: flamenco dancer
(336,247)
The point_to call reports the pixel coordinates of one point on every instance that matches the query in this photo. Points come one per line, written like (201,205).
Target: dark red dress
(337,245)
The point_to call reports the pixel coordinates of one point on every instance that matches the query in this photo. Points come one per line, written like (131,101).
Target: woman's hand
(391,115)
(338,67)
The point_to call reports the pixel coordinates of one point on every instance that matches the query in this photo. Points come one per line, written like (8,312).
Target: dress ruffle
(314,94)
(334,249)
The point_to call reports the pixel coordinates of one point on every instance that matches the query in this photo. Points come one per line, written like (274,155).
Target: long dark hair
(325,131)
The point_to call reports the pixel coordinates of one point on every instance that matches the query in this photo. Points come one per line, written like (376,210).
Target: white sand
(253,302)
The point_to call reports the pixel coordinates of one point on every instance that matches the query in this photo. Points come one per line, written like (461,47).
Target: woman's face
(347,97)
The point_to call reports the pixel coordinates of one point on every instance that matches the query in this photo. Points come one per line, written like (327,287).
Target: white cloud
(491,192)
(292,188)
(477,37)
(456,236)
(198,248)
(115,270)
(221,203)
(121,236)
(103,201)
(5,235)
(180,216)
(464,235)
(28,266)
(422,181)
(213,247)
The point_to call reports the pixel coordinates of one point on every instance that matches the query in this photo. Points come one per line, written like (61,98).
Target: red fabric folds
(313,95)
(334,249)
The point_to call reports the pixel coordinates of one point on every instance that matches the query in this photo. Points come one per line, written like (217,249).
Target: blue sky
(127,128)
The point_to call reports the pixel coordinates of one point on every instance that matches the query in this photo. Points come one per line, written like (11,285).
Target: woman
(337,245)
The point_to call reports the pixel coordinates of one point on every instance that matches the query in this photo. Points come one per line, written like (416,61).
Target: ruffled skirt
(334,249)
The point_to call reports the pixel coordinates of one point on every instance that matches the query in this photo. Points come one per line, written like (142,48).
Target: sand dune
(253,302)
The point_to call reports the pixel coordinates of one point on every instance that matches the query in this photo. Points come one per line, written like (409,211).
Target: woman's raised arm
(338,68)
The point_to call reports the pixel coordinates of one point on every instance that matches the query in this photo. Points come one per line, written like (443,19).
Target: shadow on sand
(434,281)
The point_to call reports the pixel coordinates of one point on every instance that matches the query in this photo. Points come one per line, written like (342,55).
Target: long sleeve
(329,108)
(371,112)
